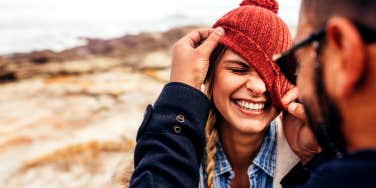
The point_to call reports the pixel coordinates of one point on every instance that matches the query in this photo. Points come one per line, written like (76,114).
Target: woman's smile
(240,95)
(249,107)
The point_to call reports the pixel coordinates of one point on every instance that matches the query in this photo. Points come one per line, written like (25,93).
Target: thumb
(211,42)
(297,110)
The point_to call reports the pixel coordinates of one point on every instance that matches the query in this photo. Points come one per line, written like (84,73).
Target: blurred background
(76,76)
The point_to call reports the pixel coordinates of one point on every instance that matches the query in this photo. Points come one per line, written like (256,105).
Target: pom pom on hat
(268,4)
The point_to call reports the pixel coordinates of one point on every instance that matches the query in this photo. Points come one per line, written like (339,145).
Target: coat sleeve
(171,139)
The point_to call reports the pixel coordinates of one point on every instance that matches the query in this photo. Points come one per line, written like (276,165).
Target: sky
(27,25)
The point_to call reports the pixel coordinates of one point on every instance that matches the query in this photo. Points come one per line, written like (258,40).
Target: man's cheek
(305,84)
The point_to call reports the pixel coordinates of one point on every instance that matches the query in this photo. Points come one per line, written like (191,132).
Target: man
(336,88)
(336,85)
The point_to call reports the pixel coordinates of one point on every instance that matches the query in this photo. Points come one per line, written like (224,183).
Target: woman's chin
(251,127)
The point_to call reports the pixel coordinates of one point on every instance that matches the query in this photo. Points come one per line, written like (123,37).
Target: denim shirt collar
(265,158)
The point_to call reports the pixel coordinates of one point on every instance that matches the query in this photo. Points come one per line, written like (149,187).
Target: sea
(28,25)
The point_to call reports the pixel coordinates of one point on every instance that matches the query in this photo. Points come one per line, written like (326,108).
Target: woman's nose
(256,86)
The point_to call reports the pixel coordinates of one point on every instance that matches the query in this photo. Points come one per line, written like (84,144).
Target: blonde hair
(211,129)
(212,137)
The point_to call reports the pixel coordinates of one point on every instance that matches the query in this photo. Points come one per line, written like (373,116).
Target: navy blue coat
(171,142)
(357,169)
(171,139)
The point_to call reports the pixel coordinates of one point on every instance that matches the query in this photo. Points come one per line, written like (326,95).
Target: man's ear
(345,45)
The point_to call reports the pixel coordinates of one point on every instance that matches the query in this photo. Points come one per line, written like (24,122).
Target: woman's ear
(344,59)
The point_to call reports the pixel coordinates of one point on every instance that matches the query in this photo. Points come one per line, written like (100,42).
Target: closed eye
(238,70)
(237,67)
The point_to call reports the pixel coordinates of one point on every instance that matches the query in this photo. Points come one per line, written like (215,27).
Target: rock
(69,119)
(41,117)
(80,165)
(156,59)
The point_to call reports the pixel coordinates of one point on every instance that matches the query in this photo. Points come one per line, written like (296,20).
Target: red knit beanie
(256,33)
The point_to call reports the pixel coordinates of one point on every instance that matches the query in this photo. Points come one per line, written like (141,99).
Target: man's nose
(256,86)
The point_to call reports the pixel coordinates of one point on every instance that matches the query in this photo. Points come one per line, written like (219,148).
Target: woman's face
(240,95)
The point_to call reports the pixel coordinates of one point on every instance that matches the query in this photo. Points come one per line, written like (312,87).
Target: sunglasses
(288,62)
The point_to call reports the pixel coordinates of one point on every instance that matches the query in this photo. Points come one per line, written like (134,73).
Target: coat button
(180,118)
(176,129)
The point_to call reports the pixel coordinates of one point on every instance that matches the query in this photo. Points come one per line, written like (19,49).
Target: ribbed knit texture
(255,32)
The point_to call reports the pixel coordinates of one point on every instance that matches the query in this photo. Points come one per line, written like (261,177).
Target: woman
(245,87)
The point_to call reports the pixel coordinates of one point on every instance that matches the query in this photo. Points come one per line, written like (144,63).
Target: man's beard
(328,130)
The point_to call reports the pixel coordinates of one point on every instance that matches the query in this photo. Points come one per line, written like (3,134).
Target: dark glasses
(288,62)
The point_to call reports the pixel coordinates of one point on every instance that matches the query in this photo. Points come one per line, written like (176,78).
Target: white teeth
(250,106)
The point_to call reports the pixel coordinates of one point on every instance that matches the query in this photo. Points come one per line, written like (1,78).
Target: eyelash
(239,70)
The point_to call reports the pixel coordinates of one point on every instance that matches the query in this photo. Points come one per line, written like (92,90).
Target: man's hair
(360,11)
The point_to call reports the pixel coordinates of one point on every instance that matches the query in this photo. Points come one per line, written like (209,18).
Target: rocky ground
(68,119)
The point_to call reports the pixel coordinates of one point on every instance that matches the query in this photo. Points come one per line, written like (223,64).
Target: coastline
(129,50)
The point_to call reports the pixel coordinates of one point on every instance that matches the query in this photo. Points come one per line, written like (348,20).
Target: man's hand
(190,63)
(298,134)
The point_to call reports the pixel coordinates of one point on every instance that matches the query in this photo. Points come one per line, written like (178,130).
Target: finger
(196,36)
(290,96)
(211,42)
(308,140)
(297,110)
